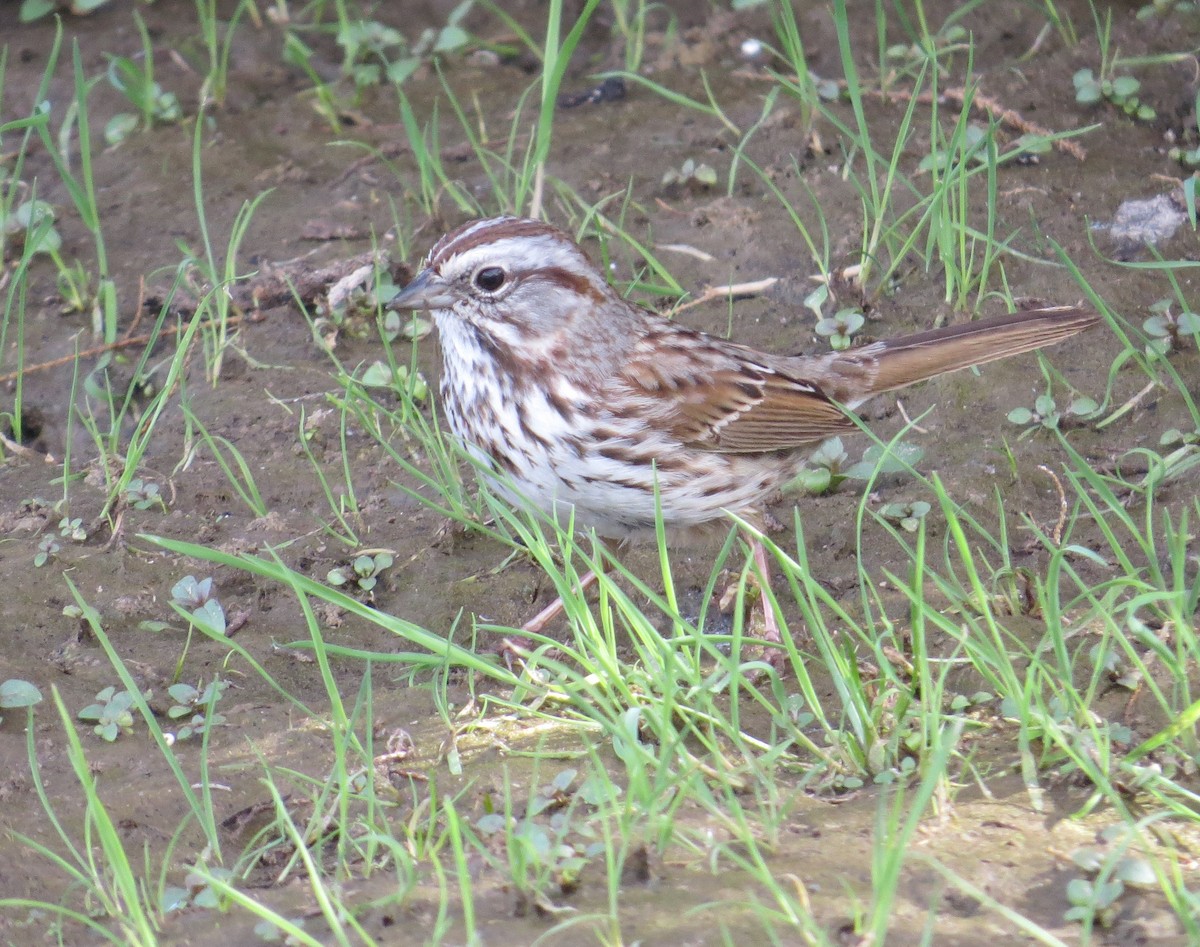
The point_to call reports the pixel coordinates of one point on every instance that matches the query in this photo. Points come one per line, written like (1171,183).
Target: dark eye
(490,278)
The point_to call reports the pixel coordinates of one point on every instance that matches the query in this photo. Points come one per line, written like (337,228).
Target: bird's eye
(490,278)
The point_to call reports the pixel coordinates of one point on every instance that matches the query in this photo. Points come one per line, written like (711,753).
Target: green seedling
(31,225)
(75,287)
(817,298)
(48,548)
(961,703)
(142,495)
(904,770)
(631,25)
(1188,157)
(1105,657)
(906,515)
(895,458)
(540,858)
(135,80)
(197,706)
(269,932)
(841,327)
(113,713)
(690,176)
(154,105)
(380,374)
(1121,91)
(16,693)
(1164,8)
(200,892)
(365,40)
(828,466)
(355,320)
(1166,329)
(908,59)
(1177,438)
(364,571)
(1180,457)
(36,9)
(354,312)
(195,599)
(1094,899)
(412,329)
(72,529)
(1045,413)
(824,472)
(373,52)
(974,147)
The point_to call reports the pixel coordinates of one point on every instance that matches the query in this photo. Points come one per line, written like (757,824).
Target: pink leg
(771,632)
(519,645)
(776,657)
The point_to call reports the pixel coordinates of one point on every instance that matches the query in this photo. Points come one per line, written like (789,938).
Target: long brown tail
(913,358)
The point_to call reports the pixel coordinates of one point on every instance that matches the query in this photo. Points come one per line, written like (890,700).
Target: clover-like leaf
(18,693)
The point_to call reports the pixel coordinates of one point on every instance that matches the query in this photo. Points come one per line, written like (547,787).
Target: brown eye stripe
(576,283)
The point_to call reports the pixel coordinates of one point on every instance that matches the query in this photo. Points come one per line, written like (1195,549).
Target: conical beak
(426,291)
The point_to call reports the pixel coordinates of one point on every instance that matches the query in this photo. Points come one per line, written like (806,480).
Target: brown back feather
(725,397)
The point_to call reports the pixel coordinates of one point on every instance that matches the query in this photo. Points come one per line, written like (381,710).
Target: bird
(576,401)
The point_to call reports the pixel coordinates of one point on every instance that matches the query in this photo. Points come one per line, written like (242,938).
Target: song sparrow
(582,399)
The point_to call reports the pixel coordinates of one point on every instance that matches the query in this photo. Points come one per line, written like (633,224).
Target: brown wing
(719,396)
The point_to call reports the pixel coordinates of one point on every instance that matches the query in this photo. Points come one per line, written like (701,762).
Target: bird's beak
(426,291)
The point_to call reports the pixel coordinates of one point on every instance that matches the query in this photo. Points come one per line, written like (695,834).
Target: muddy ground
(269,136)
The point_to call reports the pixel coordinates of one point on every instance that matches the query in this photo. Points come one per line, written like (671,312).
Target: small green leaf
(174,898)
(451,38)
(817,299)
(894,458)
(35,9)
(816,480)
(1090,860)
(401,69)
(1108,892)
(1125,86)
(490,824)
(211,615)
(183,693)
(1137,872)
(1080,892)
(17,693)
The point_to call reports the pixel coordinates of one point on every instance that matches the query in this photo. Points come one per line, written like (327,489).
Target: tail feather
(912,358)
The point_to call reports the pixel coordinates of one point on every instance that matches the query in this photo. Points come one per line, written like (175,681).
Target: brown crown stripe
(476,232)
